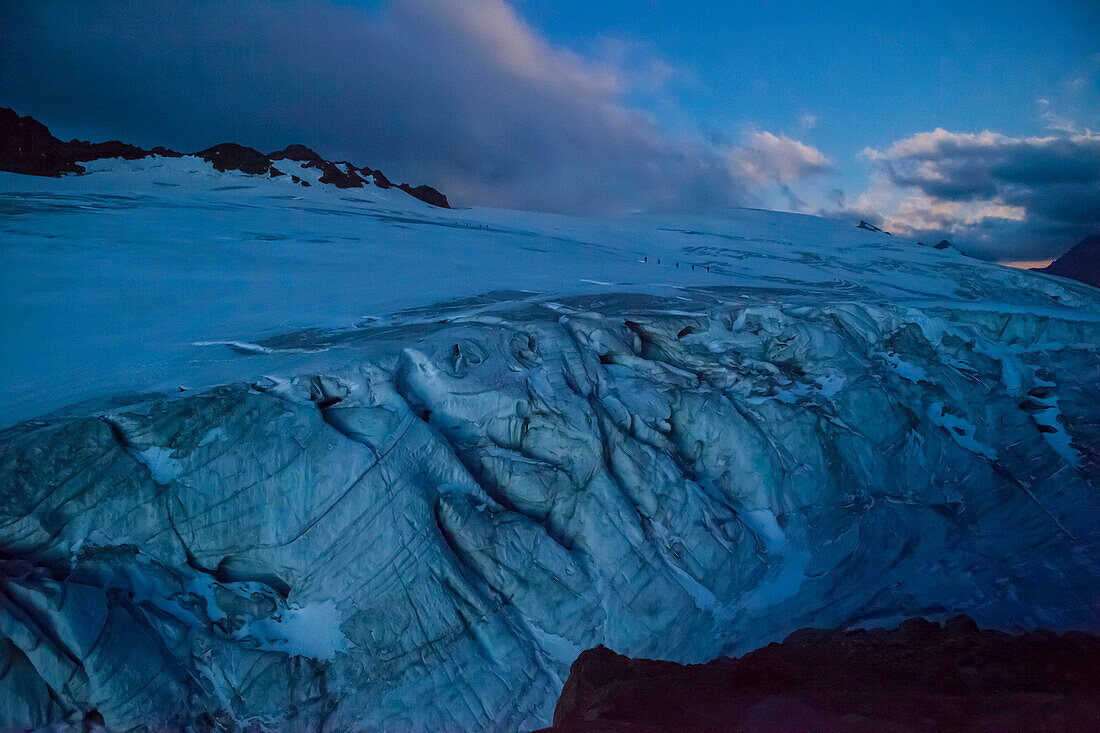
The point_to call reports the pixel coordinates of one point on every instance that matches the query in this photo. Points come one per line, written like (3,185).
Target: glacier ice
(428,539)
(427,457)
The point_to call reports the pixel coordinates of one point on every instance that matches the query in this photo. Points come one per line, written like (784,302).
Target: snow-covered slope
(452,449)
(120,279)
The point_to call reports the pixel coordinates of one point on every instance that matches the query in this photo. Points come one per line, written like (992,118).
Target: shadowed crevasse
(374,547)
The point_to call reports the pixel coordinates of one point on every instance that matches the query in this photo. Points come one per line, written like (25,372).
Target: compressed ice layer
(488,440)
(426,540)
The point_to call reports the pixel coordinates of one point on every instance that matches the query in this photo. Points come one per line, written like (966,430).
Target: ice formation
(419,518)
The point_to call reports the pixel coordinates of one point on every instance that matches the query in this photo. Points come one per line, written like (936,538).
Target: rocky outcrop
(869,227)
(341,175)
(380,180)
(943,244)
(26,146)
(1081,263)
(921,676)
(346,175)
(427,194)
(234,157)
(299,153)
(164,152)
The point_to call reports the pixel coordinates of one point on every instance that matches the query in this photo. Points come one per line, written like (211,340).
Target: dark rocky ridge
(233,157)
(341,175)
(921,676)
(1081,263)
(427,194)
(26,146)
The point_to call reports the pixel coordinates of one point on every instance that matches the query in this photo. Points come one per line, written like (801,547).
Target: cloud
(1003,197)
(1055,121)
(462,94)
(766,158)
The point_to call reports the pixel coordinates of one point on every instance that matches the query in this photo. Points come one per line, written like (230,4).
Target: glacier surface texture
(413,501)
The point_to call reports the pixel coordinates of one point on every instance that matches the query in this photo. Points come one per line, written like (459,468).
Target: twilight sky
(977,120)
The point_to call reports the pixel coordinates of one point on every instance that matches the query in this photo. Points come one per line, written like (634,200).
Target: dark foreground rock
(921,676)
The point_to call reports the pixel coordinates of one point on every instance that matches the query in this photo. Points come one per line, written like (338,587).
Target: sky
(975,121)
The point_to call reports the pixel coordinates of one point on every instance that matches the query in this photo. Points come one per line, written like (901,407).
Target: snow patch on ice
(244,346)
(160,463)
(906,370)
(1055,433)
(558,648)
(784,582)
(961,430)
(308,631)
(830,385)
(212,435)
(702,596)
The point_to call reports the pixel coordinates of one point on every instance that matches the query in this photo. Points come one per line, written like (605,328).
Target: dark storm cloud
(459,93)
(1006,197)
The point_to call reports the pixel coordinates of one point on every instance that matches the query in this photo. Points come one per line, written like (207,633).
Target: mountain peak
(1081,262)
(28,147)
(231,156)
(299,153)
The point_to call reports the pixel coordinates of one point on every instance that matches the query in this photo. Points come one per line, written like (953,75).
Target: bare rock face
(299,153)
(380,180)
(427,194)
(26,146)
(341,175)
(870,227)
(921,676)
(346,175)
(234,157)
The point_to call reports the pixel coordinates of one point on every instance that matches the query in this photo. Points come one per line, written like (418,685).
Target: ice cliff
(420,521)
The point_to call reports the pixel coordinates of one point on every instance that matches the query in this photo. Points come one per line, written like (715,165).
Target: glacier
(310,459)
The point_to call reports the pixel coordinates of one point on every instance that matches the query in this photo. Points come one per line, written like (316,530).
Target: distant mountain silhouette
(1082,262)
(26,146)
